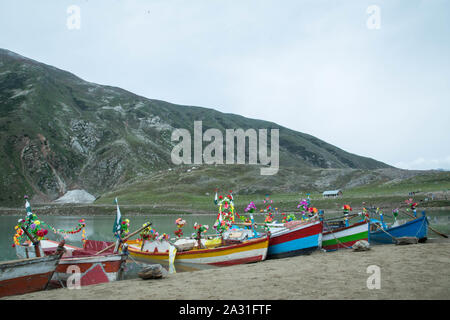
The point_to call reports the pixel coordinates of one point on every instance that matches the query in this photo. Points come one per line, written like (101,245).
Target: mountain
(59,132)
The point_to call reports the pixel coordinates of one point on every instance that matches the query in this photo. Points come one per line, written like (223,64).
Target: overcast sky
(319,67)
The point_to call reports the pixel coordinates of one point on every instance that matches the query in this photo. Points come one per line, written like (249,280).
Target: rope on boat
(337,238)
(418,230)
(380,228)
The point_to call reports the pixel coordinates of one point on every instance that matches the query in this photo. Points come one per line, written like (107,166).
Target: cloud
(425,164)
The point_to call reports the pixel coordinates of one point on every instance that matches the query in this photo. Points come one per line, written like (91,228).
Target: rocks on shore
(154,271)
(361,245)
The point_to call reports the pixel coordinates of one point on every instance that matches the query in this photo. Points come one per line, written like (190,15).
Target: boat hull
(253,250)
(345,237)
(27,275)
(415,228)
(296,238)
(92,269)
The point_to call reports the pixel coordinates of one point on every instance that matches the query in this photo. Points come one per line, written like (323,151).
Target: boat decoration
(225,217)
(180,223)
(90,267)
(39,228)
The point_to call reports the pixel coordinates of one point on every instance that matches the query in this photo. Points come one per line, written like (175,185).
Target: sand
(418,271)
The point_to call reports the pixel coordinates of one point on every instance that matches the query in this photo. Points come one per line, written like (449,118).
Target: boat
(381,233)
(216,254)
(344,236)
(86,262)
(231,244)
(26,275)
(294,238)
(92,268)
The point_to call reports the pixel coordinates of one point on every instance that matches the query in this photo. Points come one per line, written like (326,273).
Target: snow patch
(76,196)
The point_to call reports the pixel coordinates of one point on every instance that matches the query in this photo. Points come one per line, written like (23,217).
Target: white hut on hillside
(332,193)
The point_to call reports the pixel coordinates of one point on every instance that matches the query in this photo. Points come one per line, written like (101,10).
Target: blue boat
(415,228)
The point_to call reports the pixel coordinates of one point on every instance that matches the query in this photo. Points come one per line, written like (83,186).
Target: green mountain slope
(59,132)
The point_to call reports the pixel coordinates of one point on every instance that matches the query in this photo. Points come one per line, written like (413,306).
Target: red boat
(93,268)
(26,275)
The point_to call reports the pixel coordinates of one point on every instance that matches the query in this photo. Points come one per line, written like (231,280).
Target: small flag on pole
(28,207)
(118,221)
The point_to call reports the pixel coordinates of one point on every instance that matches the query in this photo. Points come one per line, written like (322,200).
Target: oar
(125,238)
(34,241)
(435,231)
(248,224)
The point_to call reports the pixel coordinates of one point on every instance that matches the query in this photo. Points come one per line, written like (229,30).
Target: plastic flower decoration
(201,228)
(164,237)
(286,218)
(180,224)
(225,217)
(269,218)
(250,208)
(411,203)
(147,233)
(395,213)
(124,227)
(346,208)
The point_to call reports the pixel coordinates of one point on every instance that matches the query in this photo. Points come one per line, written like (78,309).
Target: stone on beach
(154,271)
(361,245)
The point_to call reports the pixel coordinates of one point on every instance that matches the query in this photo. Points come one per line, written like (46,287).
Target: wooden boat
(26,275)
(417,228)
(294,238)
(247,251)
(344,237)
(94,269)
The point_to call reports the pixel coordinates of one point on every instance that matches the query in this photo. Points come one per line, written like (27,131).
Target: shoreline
(137,210)
(406,272)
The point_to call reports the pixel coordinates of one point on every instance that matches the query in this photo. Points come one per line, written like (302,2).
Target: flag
(172,254)
(118,221)
(28,208)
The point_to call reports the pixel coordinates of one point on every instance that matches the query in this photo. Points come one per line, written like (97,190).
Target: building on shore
(332,194)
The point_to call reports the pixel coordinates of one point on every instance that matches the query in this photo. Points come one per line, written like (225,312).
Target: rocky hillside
(59,132)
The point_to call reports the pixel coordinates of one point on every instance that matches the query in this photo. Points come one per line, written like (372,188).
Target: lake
(100,227)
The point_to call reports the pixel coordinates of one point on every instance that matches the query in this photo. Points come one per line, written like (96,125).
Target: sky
(370,77)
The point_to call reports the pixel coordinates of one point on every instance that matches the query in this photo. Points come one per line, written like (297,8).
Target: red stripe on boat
(297,234)
(25,284)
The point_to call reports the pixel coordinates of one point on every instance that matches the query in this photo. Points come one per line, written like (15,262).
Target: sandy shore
(419,271)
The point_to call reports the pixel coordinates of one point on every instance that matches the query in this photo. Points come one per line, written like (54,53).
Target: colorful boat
(93,269)
(247,251)
(344,237)
(294,238)
(26,275)
(417,228)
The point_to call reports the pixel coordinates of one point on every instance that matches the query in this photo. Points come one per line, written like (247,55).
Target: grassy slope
(183,191)
(124,148)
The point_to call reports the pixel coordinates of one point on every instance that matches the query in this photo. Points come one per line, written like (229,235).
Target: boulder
(361,245)
(154,271)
